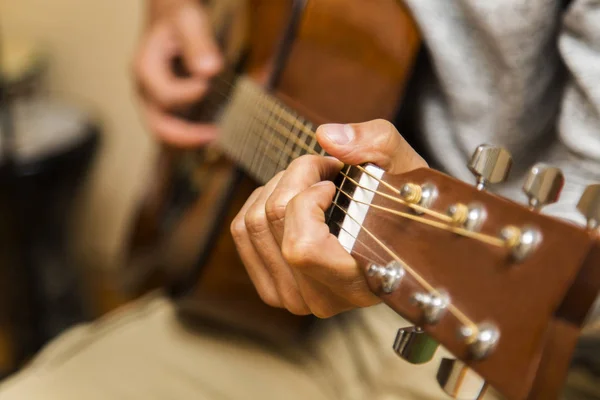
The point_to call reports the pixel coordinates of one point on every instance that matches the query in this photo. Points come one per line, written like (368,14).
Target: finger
(177,132)
(259,275)
(200,52)
(321,300)
(268,249)
(375,141)
(302,173)
(309,247)
(154,73)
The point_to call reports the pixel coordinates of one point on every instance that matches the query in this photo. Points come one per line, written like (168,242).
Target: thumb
(376,142)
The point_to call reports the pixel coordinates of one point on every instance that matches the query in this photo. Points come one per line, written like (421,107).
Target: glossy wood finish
(343,51)
(351,60)
(483,282)
(565,331)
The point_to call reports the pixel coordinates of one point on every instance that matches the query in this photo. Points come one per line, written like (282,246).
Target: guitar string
(366,246)
(423,282)
(488,239)
(494,241)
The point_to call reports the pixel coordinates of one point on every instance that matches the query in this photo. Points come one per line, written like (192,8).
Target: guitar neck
(263,135)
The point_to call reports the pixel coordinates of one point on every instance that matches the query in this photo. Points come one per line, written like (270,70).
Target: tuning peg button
(490,164)
(414,345)
(543,185)
(460,381)
(388,277)
(589,205)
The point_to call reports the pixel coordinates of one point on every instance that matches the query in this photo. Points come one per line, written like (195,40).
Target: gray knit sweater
(524,74)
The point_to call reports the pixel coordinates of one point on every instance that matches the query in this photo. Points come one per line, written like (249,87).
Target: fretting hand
(176,28)
(281,235)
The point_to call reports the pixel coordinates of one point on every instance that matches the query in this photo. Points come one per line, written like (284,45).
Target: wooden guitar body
(484,277)
(332,61)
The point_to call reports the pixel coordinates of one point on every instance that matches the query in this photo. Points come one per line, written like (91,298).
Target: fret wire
(256,125)
(289,139)
(269,153)
(276,110)
(233,121)
(272,135)
(264,173)
(475,235)
(258,138)
(295,143)
(282,131)
(279,142)
(295,152)
(301,137)
(269,125)
(247,128)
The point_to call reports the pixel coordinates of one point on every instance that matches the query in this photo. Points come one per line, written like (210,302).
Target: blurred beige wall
(90,43)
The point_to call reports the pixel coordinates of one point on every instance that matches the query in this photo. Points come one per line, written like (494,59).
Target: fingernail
(339,133)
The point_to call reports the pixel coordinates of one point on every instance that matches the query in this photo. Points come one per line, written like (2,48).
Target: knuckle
(269,297)
(297,253)
(238,227)
(303,162)
(296,307)
(275,207)
(256,220)
(384,125)
(292,299)
(321,309)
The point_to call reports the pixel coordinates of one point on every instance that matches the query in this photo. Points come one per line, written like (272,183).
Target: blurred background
(74,159)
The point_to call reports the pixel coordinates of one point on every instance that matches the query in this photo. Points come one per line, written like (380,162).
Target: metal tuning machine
(543,185)
(412,344)
(388,277)
(460,381)
(490,165)
(589,206)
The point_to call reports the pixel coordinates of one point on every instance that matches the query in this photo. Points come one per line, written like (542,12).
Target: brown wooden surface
(482,281)
(584,290)
(350,62)
(560,341)
(226,294)
(566,329)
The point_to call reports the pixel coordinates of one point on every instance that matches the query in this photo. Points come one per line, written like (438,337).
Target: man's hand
(176,28)
(281,235)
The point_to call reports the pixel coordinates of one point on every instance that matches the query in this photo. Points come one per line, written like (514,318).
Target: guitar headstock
(486,277)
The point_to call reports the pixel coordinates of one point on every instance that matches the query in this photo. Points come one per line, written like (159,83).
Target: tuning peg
(490,164)
(388,276)
(589,205)
(460,381)
(543,185)
(414,345)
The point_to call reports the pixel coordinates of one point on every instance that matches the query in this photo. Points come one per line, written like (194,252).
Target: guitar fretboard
(263,135)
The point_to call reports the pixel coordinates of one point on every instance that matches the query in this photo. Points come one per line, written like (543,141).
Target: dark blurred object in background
(46,149)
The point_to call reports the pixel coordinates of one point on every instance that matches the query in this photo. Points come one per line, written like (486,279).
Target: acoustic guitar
(504,288)
(287,70)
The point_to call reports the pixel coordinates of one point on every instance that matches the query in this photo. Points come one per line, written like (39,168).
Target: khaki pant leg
(143,352)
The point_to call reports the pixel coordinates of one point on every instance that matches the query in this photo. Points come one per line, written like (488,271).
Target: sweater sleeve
(579,119)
